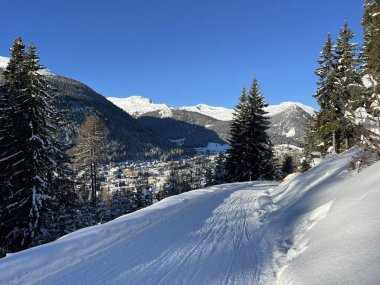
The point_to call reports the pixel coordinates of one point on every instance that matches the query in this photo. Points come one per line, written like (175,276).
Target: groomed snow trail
(209,240)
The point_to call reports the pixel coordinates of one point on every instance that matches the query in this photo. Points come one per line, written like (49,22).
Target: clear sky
(182,52)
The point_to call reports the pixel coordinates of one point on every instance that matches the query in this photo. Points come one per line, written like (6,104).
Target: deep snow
(320,227)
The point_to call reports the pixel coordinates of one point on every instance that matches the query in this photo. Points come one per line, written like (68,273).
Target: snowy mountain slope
(320,227)
(290,123)
(138,105)
(219,113)
(276,109)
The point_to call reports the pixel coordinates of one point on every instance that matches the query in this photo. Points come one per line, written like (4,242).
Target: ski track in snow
(210,237)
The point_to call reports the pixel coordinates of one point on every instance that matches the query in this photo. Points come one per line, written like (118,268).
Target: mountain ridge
(138,105)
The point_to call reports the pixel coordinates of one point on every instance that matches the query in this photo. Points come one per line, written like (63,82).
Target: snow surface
(219,113)
(276,109)
(320,227)
(4,62)
(138,105)
(212,148)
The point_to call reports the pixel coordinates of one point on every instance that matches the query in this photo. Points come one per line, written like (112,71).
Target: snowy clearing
(320,227)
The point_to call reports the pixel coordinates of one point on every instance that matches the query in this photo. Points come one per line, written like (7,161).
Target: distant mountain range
(195,126)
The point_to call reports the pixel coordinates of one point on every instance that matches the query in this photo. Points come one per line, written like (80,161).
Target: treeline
(348,90)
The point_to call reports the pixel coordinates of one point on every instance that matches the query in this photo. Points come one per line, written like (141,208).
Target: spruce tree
(250,156)
(287,166)
(34,182)
(234,163)
(326,125)
(347,81)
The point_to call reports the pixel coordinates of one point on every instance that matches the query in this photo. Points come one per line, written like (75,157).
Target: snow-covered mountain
(219,113)
(138,106)
(320,227)
(203,124)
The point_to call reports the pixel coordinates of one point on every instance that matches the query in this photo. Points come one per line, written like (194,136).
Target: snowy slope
(219,113)
(4,63)
(276,109)
(138,105)
(321,227)
(327,227)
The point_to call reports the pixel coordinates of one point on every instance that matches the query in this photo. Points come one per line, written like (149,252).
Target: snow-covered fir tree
(287,166)
(339,89)
(250,156)
(35,187)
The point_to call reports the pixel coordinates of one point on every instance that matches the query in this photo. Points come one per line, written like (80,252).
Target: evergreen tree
(33,161)
(347,81)
(312,140)
(250,156)
(338,92)
(219,175)
(326,125)
(305,165)
(371,48)
(235,161)
(287,166)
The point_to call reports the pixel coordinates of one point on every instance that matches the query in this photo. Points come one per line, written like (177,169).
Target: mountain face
(290,123)
(128,138)
(195,126)
(189,129)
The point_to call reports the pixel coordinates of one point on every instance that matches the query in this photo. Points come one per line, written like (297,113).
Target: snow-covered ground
(320,227)
(212,148)
(138,105)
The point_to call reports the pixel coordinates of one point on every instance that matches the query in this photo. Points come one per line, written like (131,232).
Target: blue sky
(182,52)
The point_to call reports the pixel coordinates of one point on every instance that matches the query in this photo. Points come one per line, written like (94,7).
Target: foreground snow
(321,227)
(203,236)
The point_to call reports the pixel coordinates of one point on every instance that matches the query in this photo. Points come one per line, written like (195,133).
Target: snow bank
(325,228)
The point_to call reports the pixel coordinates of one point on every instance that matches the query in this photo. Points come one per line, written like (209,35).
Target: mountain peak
(138,105)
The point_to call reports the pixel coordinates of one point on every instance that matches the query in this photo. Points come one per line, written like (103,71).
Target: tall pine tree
(33,183)
(250,156)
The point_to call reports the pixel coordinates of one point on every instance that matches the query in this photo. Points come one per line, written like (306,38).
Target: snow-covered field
(321,227)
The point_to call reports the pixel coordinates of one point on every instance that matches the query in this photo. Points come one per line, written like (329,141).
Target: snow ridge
(138,105)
